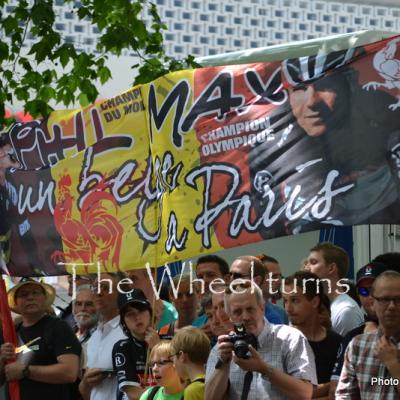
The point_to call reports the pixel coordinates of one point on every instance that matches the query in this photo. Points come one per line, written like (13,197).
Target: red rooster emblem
(97,236)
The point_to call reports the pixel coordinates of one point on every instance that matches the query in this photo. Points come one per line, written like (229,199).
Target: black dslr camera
(241,340)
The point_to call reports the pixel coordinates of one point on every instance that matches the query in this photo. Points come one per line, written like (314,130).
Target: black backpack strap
(152,393)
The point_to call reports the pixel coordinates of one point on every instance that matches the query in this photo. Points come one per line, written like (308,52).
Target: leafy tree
(31,76)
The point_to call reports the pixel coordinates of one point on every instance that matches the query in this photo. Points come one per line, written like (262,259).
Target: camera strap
(246,385)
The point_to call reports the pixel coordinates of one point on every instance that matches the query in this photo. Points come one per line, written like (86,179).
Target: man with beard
(85,313)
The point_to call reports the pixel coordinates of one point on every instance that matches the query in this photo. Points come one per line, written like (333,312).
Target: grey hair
(390,274)
(248,287)
(80,289)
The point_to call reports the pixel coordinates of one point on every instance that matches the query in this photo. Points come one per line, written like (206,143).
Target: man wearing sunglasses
(371,368)
(364,280)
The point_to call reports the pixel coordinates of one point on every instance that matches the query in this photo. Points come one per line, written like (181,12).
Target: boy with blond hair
(164,372)
(190,349)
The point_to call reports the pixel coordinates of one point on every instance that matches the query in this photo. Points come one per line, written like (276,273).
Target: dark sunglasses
(363,291)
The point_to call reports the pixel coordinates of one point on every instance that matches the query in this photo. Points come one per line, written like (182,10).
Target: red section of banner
(9,334)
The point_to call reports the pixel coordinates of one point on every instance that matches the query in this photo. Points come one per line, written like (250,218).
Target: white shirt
(345,314)
(99,355)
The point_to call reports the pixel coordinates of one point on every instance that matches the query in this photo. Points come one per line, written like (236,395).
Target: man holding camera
(282,366)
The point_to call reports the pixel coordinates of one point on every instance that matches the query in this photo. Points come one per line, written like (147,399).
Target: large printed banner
(207,159)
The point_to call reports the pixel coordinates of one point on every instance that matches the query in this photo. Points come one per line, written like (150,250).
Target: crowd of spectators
(242,331)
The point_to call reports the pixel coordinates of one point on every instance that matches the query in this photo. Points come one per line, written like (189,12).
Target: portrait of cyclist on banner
(336,130)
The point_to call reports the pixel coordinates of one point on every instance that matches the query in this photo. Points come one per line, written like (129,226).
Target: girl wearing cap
(129,355)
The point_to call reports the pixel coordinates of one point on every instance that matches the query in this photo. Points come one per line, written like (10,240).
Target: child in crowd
(190,348)
(129,355)
(165,374)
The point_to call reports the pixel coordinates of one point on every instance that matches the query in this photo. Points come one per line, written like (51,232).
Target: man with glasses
(280,366)
(364,279)
(371,368)
(251,268)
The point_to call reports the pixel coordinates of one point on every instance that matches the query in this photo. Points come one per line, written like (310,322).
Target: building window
(60,27)
(389,24)
(278,13)
(178,3)
(69,15)
(169,36)
(212,29)
(169,14)
(246,32)
(366,11)
(212,52)
(295,14)
(278,35)
(186,15)
(160,2)
(228,8)
(311,17)
(89,41)
(178,49)
(351,9)
(220,18)
(262,11)
(204,40)
(237,43)
(319,28)
(271,24)
(212,7)
(303,27)
(253,44)
(95,29)
(196,50)
(178,26)
(203,17)
(262,34)
(373,22)
(59,2)
(295,36)
(358,21)
(78,28)
(335,29)
(319,6)
(187,39)
(343,20)
(237,21)
(221,42)
(287,25)
(196,28)
(195,5)
(326,18)
(381,11)
(246,10)
(229,31)
(254,22)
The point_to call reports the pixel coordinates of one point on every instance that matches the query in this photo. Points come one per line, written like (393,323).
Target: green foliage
(31,77)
